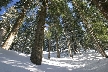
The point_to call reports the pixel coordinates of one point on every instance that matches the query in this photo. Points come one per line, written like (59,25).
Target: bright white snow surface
(11,61)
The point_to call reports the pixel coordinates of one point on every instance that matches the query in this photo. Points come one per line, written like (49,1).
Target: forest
(73,26)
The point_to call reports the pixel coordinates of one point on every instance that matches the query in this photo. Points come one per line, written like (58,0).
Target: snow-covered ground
(11,61)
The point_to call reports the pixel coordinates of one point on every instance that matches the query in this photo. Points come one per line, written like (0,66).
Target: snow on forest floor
(11,61)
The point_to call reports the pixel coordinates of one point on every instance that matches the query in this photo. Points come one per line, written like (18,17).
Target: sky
(3,9)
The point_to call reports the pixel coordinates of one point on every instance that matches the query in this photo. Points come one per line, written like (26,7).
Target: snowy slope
(11,61)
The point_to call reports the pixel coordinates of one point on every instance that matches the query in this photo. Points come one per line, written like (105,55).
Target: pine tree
(89,29)
(36,54)
(6,45)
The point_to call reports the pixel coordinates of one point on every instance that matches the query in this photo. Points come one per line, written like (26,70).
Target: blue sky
(3,9)
(70,5)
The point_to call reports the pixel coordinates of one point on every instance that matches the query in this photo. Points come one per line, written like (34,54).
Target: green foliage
(48,34)
(4,3)
(63,21)
(94,19)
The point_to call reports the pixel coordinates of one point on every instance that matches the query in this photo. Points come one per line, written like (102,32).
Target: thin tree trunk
(74,48)
(99,48)
(1,32)
(49,48)
(6,45)
(69,49)
(36,54)
(57,47)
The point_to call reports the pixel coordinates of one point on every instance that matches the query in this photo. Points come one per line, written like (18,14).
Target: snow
(11,61)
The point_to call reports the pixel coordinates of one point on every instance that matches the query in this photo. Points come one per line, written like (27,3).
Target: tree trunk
(69,49)
(36,54)
(13,32)
(74,48)
(99,48)
(49,48)
(1,32)
(6,45)
(57,48)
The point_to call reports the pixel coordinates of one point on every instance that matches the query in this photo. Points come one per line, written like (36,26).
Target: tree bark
(13,32)
(36,54)
(49,48)
(57,48)
(69,49)
(6,45)
(1,35)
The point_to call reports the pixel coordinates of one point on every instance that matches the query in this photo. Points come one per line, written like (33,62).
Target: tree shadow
(15,62)
(20,62)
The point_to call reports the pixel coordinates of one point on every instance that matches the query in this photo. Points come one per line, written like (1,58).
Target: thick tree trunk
(6,45)
(99,48)
(49,48)
(36,54)
(13,32)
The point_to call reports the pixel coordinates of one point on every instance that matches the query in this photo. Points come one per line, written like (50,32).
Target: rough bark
(36,54)
(99,48)
(6,45)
